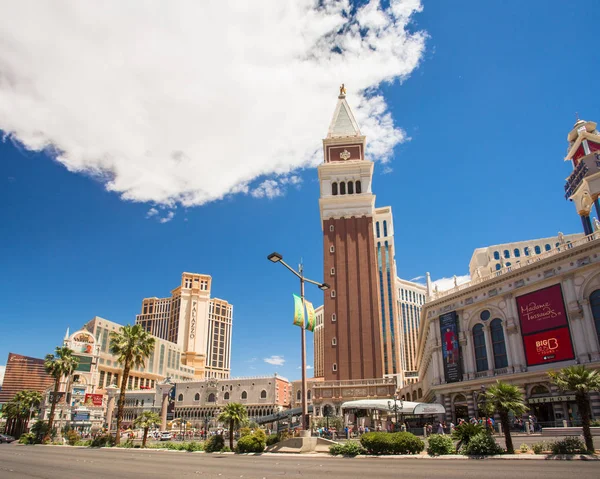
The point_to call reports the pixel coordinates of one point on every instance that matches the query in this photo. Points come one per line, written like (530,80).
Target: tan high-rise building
(199,325)
(352,327)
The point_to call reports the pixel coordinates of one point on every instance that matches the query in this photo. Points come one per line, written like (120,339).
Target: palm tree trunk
(145,437)
(231,434)
(584,410)
(53,408)
(121,403)
(506,429)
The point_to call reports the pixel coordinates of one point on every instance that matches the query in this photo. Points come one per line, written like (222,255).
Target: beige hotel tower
(198,324)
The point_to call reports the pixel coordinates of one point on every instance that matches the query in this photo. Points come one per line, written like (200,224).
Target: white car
(165,436)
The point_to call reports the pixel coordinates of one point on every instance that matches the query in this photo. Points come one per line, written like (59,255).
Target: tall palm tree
(236,415)
(133,346)
(581,381)
(18,411)
(146,420)
(57,365)
(505,398)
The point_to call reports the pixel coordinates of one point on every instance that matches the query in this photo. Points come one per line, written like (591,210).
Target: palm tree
(132,345)
(236,415)
(57,366)
(146,420)
(19,409)
(580,380)
(505,398)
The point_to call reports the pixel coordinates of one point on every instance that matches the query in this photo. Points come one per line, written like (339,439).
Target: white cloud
(2,371)
(275,360)
(308,366)
(151,212)
(169,217)
(190,103)
(444,284)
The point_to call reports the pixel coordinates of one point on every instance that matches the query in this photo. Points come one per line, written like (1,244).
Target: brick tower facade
(352,319)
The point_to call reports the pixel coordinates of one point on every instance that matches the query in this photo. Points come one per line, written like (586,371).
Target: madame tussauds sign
(541,310)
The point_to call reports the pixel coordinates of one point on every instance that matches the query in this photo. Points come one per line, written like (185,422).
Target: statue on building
(596,224)
(561,238)
(455,281)
(342,90)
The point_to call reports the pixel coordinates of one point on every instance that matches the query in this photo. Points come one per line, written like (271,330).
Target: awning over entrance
(404,407)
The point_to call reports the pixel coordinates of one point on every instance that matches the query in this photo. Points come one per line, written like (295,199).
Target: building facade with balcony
(514,324)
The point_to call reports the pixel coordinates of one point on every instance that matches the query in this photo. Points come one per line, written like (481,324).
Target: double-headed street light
(394,407)
(277,258)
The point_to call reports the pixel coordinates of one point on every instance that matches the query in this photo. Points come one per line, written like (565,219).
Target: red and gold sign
(548,346)
(542,309)
(93,399)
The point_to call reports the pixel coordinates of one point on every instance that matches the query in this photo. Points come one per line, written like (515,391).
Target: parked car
(165,436)
(6,438)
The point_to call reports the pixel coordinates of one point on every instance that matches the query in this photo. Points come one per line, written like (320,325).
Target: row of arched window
(343,188)
(516,253)
(213,398)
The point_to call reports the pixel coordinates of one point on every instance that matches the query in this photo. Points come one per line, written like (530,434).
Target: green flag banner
(298,311)
(310,316)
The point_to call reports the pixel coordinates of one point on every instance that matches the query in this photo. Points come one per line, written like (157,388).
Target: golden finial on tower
(342,90)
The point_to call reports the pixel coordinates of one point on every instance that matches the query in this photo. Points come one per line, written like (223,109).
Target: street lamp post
(277,258)
(396,408)
(207,419)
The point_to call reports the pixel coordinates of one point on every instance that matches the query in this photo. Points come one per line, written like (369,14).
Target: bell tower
(351,321)
(583,185)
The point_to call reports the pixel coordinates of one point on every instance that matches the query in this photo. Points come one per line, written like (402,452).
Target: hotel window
(334,366)
(498,267)
(595,305)
(333,318)
(506,253)
(496,255)
(180,398)
(332,249)
(226,396)
(479,345)
(334,189)
(526,250)
(332,271)
(334,341)
(350,188)
(211,397)
(342,188)
(517,253)
(548,247)
(538,250)
(358,188)
(498,345)
(333,293)
(384,228)
(101,382)
(263,394)
(244,395)
(108,378)
(197,397)
(331,228)
(377,229)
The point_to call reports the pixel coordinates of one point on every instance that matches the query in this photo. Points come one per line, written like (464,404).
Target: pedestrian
(440,428)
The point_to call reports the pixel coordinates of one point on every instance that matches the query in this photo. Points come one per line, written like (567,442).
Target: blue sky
(486,112)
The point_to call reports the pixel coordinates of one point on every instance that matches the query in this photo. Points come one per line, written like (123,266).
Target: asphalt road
(39,462)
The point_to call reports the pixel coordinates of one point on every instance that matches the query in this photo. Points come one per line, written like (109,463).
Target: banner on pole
(310,316)
(298,311)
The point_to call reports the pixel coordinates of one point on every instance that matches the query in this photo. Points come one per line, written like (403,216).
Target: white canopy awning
(404,407)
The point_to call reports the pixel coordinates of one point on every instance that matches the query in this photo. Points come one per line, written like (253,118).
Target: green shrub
(193,446)
(245,431)
(377,442)
(103,441)
(72,437)
(406,443)
(465,431)
(260,434)
(214,443)
(483,444)
(83,443)
(524,448)
(440,445)
(595,423)
(348,449)
(225,449)
(539,447)
(127,444)
(27,438)
(252,443)
(568,445)
(272,439)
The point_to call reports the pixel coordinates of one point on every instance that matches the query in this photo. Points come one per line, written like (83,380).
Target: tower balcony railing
(525,261)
